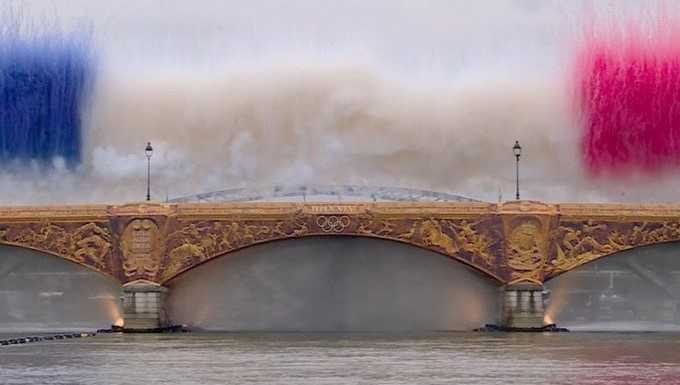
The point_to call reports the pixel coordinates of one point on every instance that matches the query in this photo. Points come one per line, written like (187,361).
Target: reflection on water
(43,292)
(637,289)
(333,284)
(257,358)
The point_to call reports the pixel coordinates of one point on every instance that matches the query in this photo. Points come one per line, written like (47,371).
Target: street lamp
(148,151)
(517,151)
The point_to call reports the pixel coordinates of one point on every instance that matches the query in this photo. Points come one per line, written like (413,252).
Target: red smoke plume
(628,95)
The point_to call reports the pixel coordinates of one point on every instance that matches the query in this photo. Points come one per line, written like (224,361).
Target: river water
(291,358)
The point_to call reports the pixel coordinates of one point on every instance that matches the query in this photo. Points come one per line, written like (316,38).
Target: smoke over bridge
(234,103)
(324,105)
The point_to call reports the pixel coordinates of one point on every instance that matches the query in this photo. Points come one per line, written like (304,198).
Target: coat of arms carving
(140,244)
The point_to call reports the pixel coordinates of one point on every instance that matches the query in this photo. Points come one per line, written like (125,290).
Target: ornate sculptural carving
(88,244)
(140,246)
(580,242)
(526,251)
(514,241)
(449,235)
(381,227)
(432,235)
(473,240)
(93,243)
(198,241)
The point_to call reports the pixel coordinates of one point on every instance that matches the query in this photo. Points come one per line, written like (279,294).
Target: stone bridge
(520,244)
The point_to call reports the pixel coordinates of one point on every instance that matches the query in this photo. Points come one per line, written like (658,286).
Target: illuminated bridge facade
(520,244)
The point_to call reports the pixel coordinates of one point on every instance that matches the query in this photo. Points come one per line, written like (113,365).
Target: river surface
(269,358)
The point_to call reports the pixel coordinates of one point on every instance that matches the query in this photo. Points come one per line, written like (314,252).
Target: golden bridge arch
(193,251)
(461,237)
(519,243)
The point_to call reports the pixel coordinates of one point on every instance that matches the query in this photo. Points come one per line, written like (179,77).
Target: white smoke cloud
(427,95)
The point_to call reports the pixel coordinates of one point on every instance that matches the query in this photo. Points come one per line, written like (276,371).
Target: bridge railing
(311,193)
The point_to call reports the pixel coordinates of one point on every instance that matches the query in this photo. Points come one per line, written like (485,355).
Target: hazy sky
(425,94)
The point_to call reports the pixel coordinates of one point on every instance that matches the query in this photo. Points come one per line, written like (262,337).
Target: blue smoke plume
(44,82)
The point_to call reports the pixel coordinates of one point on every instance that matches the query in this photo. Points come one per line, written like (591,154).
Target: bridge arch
(88,244)
(333,283)
(592,258)
(585,233)
(41,291)
(70,259)
(193,256)
(633,289)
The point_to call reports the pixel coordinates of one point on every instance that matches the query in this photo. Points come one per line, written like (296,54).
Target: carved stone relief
(513,241)
(527,246)
(580,242)
(197,241)
(141,247)
(88,244)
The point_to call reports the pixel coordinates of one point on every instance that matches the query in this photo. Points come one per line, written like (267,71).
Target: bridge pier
(143,307)
(522,306)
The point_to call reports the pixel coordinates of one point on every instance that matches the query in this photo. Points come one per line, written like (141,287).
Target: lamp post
(148,151)
(517,151)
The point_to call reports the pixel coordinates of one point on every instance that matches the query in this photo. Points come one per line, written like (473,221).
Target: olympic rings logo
(332,224)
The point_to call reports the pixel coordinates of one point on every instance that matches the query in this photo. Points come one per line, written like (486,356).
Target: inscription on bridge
(519,241)
(141,242)
(140,246)
(334,209)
